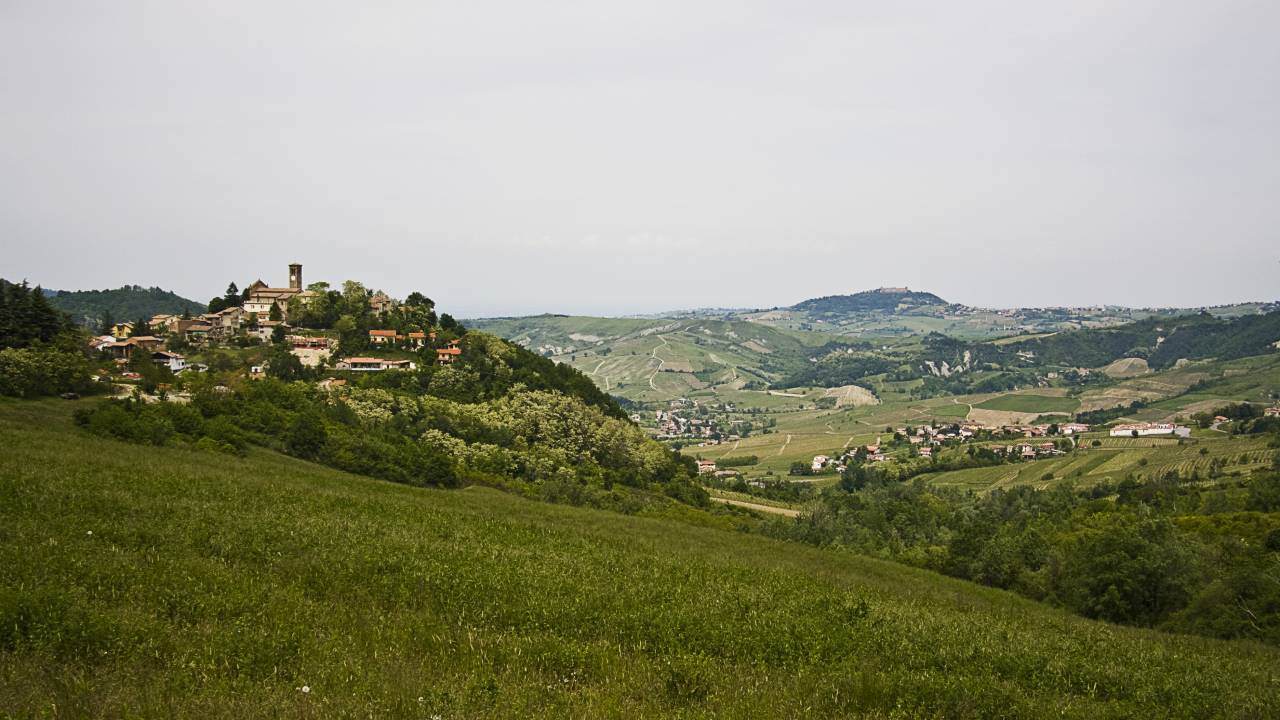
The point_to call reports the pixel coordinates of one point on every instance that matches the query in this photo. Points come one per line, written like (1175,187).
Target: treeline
(41,350)
(94,308)
(1161,341)
(1106,415)
(838,369)
(867,301)
(1161,553)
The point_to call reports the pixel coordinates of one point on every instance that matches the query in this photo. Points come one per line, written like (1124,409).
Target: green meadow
(169,582)
(1017,402)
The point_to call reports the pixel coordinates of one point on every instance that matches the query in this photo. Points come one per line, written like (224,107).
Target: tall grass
(143,582)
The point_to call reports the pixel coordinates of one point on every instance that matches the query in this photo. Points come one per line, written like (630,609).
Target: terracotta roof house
(367,364)
(384,337)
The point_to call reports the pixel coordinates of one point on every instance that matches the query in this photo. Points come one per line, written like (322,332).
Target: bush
(30,372)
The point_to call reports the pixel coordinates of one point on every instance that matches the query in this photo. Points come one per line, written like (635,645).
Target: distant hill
(882,300)
(1159,341)
(126,303)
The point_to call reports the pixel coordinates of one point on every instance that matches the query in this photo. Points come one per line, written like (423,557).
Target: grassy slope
(214,586)
(1030,403)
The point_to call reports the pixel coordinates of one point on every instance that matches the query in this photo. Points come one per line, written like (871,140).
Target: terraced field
(1117,458)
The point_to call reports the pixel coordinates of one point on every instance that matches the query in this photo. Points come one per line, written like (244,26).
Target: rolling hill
(180,583)
(660,359)
(882,300)
(126,303)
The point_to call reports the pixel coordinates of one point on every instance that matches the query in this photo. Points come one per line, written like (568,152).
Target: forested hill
(883,300)
(128,303)
(1161,341)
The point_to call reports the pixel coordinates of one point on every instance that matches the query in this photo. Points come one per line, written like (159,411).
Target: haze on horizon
(619,158)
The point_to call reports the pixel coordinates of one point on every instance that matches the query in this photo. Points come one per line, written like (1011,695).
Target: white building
(172,360)
(1147,429)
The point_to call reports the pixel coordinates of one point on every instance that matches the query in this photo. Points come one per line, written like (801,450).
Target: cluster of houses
(1148,429)
(672,424)
(413,341)
(253,317)
(927,439)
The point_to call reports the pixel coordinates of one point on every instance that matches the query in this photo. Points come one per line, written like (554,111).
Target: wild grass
(143,582)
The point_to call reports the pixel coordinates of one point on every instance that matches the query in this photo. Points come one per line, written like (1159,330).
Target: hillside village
(383,335)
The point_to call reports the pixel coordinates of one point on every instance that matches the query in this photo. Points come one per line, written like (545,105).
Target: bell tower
(295,276)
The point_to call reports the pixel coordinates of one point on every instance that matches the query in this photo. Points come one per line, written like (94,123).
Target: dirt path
(728,452)
(596,373)
(661,362)
(762,508)
(779,393)
(784,445)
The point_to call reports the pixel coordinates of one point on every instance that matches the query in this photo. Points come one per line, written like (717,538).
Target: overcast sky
(613,158)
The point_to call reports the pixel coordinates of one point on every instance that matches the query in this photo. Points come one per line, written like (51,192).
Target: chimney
(295,276)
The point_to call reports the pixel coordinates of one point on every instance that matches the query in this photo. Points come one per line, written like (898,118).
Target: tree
(232,297)
(106,323)
(275,313)
(283,364)
(306,436)
(417,299)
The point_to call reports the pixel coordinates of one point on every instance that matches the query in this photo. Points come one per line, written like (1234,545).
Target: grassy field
(1027,403)
(146,582)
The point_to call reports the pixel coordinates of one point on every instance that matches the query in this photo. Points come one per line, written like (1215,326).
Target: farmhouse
(447,354)
(1272,412)
(172,360)
(1072,428)
(1146,429)
(121,350)
(368,364)
(303,342)
(706,467)
(384,337)
(819,462)
(163,323)
(264,328)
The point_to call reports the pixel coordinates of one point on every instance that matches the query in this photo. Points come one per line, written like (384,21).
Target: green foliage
(30,372)
(866,301)
(88,307)
(838,369)
(1161,341)
(40,350)
(27,318)
(1147,558)
(1030,403)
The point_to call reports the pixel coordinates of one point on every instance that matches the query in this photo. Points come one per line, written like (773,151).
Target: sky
(510,158)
